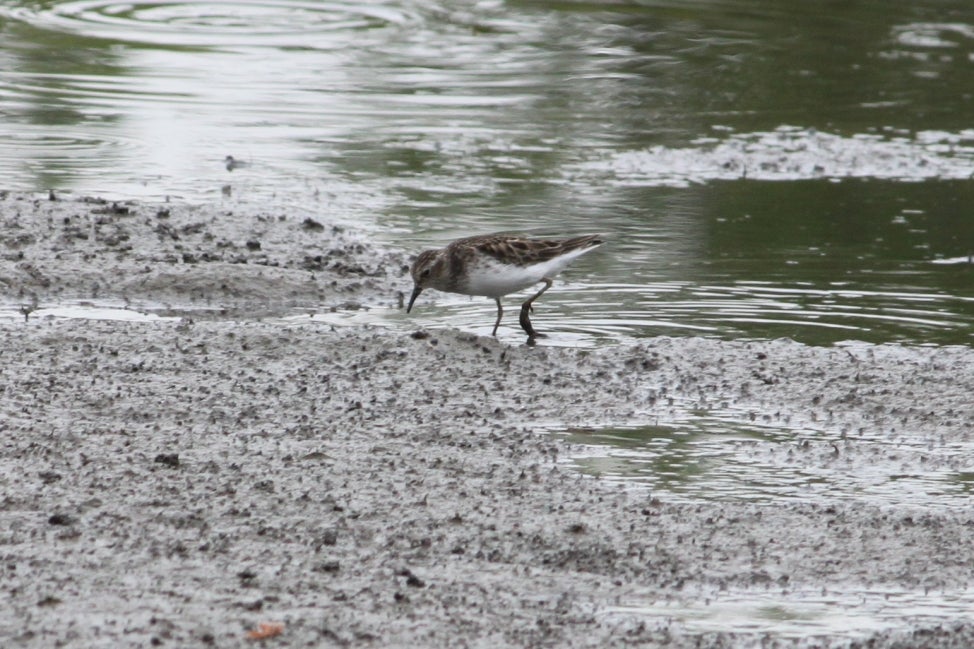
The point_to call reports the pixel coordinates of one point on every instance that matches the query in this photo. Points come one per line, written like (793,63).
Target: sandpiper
(495,265)
(232,163)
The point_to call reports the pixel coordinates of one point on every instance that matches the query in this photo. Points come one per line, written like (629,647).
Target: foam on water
(791,153)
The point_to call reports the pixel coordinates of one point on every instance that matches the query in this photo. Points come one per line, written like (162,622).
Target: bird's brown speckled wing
(523,251)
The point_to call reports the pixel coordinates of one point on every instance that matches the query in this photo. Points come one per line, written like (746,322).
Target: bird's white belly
(490,277)
(494,279)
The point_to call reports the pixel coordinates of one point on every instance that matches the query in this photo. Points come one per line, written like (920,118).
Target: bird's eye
(425,273)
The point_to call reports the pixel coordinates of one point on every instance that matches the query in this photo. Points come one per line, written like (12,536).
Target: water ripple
(584,314)
(933,35)
(281,23)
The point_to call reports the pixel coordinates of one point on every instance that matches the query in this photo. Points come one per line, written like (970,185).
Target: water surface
(849,613)
(727,456)
(761,168)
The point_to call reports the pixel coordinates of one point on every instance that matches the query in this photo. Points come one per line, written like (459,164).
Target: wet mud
(221,481)
(233,261)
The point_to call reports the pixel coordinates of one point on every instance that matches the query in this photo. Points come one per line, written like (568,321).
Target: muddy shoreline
(178,482)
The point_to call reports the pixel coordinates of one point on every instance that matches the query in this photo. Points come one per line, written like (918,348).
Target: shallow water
(849,612)
(716,456)
(723,455)
(761,169)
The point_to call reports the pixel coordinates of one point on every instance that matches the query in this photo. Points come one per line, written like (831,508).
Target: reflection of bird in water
(232,163)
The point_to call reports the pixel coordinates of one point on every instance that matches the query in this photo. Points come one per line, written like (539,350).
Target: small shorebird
(495,265)
(232,163)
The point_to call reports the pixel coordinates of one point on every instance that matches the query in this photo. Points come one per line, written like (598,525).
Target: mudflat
(183,480)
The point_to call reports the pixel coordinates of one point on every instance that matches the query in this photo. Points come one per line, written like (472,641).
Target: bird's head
(424,273)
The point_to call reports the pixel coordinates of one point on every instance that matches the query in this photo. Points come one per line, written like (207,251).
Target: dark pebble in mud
(48,477)
(311,225)
(331,566)
(411,580)
(328,537)
(168,459)
(114,208)
(577,528)
(61,519)
(247,577)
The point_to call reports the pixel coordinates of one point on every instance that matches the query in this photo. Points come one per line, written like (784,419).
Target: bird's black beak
(416,291)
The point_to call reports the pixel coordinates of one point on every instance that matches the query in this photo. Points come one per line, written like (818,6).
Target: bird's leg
(500,312)
(526,324)
(526,309)
(547,285)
